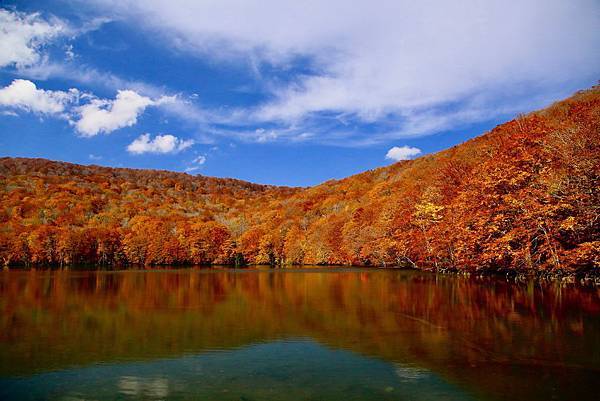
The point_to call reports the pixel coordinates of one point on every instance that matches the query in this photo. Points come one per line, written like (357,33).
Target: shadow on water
(294,334)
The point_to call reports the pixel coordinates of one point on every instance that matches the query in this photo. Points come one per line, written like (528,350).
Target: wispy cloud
(199,160)
(22,36)
(196,164)
(391,62)
(378,72)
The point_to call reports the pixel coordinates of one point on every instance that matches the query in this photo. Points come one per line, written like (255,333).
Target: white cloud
(22,35)
(262,135)
(388,60)
(96,116)
(196,164)
(199,160)
(86,75)
(105,116)
(160,144)
(69,53)
(398,153)
(24,95)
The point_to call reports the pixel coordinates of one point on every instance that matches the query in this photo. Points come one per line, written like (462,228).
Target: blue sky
(288,93)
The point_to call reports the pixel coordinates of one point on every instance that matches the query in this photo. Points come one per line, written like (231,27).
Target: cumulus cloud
(24,95)
(160,144)
(22,35)
(389,60)
(398,153)
(105,116)
(94,117)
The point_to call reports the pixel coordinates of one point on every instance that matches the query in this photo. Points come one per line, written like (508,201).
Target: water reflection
(493,339)
(148,388)
(410,373)
(280,370)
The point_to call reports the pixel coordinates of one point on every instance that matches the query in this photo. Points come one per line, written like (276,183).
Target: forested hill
(523,196)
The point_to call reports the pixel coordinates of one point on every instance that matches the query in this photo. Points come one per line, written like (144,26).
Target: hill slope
(523,196)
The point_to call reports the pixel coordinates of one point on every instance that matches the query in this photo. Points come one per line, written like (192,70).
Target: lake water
(294,334)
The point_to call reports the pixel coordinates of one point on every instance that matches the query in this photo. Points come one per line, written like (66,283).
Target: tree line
(522,196)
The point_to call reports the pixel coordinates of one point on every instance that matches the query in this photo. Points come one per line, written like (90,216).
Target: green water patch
(291,370)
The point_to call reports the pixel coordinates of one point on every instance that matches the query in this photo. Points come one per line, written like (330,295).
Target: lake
(294,334)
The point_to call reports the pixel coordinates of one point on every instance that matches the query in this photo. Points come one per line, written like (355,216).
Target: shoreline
(587,277)
(584,277)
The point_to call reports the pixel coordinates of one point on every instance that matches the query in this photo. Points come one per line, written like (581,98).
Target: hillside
(522,196)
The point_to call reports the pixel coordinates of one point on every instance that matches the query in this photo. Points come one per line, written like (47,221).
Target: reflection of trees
(57,319)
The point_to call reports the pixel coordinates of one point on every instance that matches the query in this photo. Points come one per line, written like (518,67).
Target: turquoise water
(284,370)
(296,334)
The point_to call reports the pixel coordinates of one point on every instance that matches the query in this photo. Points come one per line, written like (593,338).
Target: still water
(294,334)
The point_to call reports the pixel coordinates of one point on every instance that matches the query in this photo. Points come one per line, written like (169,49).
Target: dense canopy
(524,196)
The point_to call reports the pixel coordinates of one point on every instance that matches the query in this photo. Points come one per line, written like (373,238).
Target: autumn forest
(523,196)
